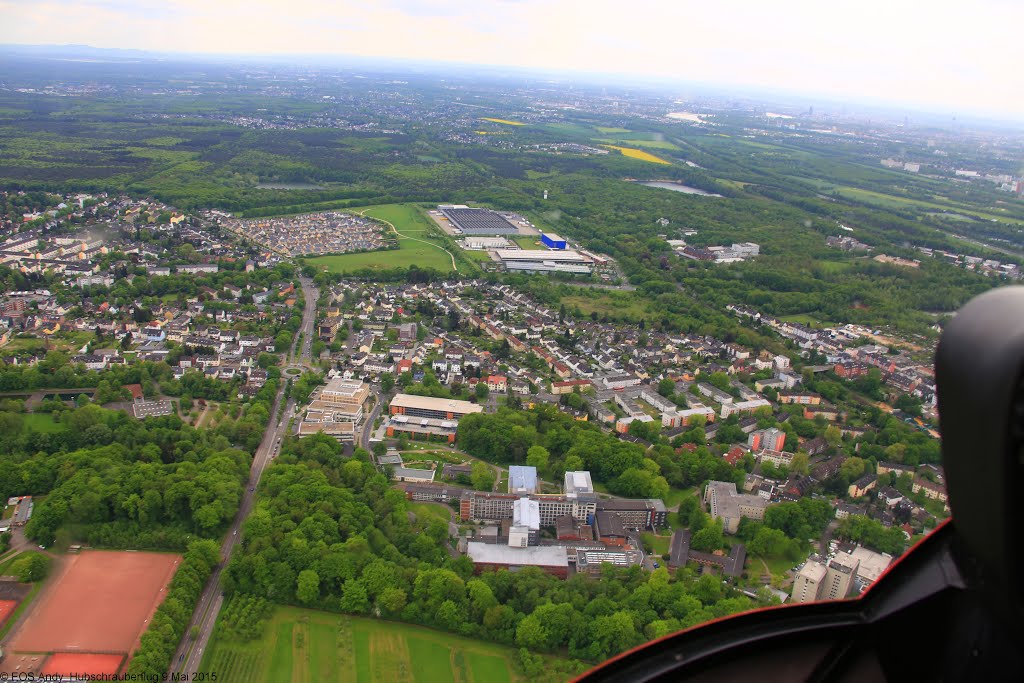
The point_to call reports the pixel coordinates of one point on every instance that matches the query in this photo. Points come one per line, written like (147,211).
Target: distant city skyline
(944,56)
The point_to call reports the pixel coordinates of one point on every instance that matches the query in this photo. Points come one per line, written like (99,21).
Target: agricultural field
(309,645)
(633,153)
(505,122)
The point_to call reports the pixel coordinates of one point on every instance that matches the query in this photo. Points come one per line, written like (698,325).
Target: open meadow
(418,244)
(308,645)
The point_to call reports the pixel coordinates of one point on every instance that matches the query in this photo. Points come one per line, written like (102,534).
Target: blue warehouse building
(552,241)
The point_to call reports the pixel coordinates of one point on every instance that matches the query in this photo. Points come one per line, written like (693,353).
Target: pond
(678,187)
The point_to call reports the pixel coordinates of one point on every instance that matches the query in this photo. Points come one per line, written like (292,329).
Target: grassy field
(613,304)
(414,226)
(308,645)
(43,422)
(653,144)
(526,241)
(807,319)
(426,511)
(658,543)
(637,154)
(611,129)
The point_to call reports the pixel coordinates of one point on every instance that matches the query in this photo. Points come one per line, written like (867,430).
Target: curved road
(414,239)
(189,654)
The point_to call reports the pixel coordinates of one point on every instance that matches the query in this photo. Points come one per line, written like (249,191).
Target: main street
(190,652)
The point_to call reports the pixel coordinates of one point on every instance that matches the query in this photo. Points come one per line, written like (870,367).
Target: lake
(678,187)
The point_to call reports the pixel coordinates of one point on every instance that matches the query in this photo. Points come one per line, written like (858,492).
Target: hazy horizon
(936,59)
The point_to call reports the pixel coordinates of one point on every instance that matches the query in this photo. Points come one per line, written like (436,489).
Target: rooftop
(429,403)
(522,479)
(539,556)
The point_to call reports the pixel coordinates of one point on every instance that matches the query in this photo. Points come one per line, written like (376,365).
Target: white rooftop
(578,482)
(535,555)
(541,255)
(526,513)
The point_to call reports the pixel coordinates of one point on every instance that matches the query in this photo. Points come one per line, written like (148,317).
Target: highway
(189,654)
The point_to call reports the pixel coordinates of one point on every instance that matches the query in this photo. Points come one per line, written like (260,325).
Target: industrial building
(469,221)
(480,243)
(544,260)
(552,241)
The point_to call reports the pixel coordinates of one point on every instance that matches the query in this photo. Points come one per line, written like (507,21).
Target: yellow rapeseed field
(638,154)
(506,122)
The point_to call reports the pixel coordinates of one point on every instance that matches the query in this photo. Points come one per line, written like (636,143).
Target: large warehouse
(544,260)
(469,221)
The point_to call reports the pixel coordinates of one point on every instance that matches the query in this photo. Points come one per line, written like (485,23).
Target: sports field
(6,607)
(73,663)
(417,245)
(99,603)
(307,645)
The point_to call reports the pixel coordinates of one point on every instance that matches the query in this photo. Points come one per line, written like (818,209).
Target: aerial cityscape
(383,371)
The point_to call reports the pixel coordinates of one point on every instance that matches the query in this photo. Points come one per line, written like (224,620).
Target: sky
(944,55)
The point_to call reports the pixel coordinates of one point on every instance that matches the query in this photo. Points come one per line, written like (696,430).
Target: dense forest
(330,533)
(113,481)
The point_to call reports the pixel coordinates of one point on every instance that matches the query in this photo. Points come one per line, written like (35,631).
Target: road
(367,430)
(189,654)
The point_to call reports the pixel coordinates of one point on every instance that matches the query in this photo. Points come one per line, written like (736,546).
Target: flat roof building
(522,479)
(492,556)
(870,565)
(544,260)
(577,483)
(809,580)
(429,407)
(469,221)
(591,562)
(839,579)
(726,504)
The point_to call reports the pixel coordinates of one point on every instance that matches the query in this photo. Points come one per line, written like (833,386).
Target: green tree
(538,456)
(308,587)
(833,436)
(482,476)
(709,539)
